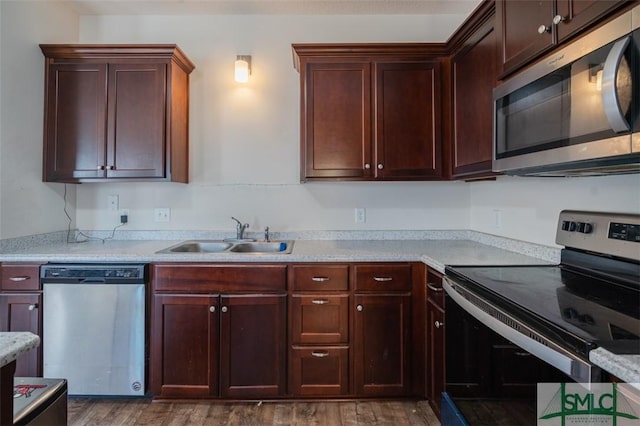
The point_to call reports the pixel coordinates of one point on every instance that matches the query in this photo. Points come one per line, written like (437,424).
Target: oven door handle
(578,369)
(610,99)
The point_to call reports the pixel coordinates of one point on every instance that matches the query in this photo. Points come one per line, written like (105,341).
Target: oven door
(520,334)
(569,112)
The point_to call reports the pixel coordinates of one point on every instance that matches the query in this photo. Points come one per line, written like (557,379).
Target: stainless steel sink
(263,247)
(217,246)
(202,246)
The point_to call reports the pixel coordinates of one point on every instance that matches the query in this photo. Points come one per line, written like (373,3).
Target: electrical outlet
(497,219)
(360,215)
(124,213)
(112,200)
(162,214)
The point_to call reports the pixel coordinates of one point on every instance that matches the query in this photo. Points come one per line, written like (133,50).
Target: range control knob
(587,228)
(569,313)
(573,226)
(565,225)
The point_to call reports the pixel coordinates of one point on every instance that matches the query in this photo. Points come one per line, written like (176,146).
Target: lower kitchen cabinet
(252,346)
(185,345)
(218,336)
(20,310)
(249,331)
(319,371)
(319,331)
(382,330)
(435,345)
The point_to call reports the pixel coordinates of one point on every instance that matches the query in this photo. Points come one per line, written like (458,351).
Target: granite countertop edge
(624,367)
(14,344)
(434,253)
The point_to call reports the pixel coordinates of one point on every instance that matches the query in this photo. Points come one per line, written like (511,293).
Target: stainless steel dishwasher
(94,327)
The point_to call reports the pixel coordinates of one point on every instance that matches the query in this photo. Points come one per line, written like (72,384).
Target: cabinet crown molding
(368,51)
(106,52)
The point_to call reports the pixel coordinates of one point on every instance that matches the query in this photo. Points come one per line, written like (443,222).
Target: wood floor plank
(120,412)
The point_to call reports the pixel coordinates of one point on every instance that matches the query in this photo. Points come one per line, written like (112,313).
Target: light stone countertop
(435,253)
(624,367)
(14,344)
(434,248)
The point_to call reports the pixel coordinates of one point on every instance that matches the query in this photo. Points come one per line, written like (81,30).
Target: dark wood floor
(83,411)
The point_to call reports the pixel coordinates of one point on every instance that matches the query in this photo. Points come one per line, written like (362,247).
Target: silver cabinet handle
(558,18)
(433,288)
(382,279)
(320,301)
(359,308)
(380,166)
(19,278)
(33,307)
(438,324)
(367,166)
(224,309)
(610,100)
(544,29)
(320,354)
(320,279)
(522,354)
(212,309)
(100,167)
(110,167)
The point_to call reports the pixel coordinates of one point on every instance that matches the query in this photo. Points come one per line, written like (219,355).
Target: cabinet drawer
(205,278)
(320,278)
(20,277)
(320,318)
(383,277)
(319,371)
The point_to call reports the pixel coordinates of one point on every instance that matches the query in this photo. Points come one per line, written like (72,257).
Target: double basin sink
(231,246)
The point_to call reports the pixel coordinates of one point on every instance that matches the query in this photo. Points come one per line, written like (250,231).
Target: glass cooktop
(573,309)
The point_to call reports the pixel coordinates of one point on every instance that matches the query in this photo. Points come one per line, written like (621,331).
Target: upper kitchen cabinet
(474,71)
(116,112)
(369,111)
(529,28)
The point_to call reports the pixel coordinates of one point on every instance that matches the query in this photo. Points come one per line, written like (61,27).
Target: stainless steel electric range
(561,312)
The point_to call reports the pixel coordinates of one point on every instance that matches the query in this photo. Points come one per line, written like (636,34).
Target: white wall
(244,154)
(529,206)
(27,206)
(244,139)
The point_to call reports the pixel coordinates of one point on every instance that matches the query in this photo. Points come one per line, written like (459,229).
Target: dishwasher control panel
(134,273)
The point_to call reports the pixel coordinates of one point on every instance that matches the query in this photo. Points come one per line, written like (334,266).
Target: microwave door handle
(615,116)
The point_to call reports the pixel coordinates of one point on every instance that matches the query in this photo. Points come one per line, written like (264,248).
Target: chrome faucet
(240,228)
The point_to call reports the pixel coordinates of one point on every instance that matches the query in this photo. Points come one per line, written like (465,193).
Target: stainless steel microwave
(577,111)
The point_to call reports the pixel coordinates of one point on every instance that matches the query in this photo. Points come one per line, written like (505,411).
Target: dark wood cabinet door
(184,346)
(320,318)
(435,355)
(253,346)
(407,124)
(75,117)
(21,312)
(136,121)
(382,332)
(518,23)
(575,15)
(319,371)
(474,75)
(336,128)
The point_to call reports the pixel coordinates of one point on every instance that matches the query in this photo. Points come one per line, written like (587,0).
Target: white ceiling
(272,7)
